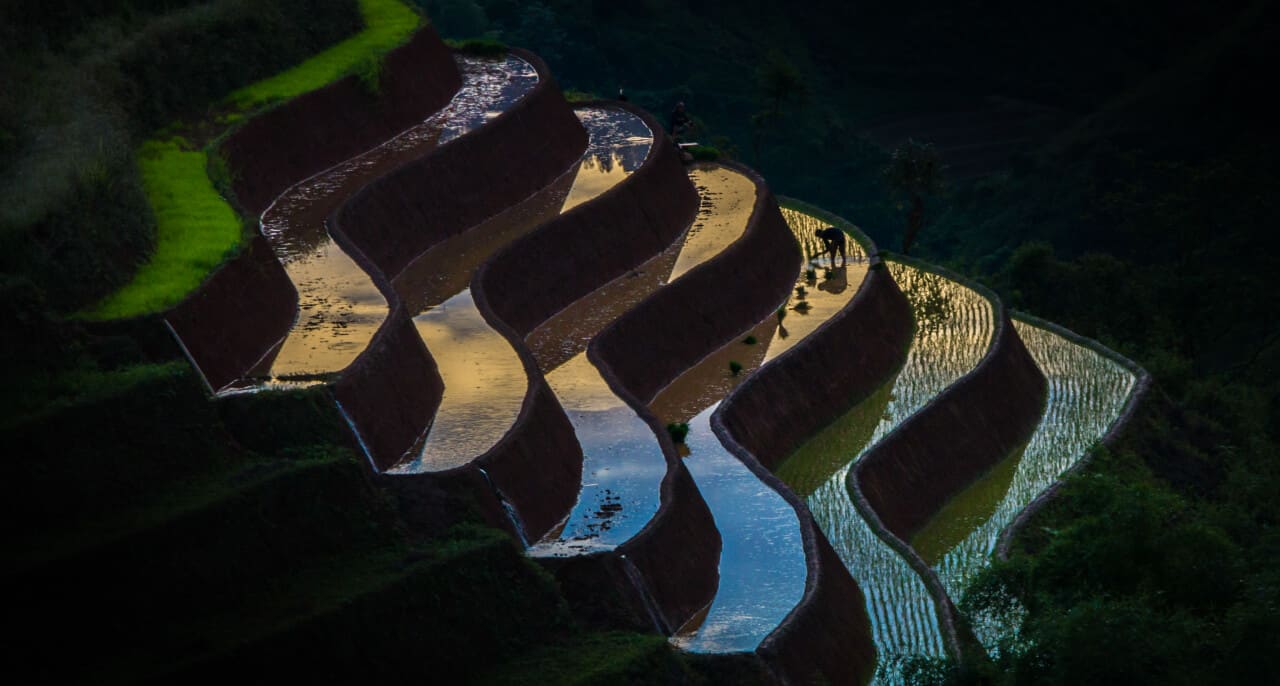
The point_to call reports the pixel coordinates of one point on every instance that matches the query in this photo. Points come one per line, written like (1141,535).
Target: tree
(915,170)
(780,84)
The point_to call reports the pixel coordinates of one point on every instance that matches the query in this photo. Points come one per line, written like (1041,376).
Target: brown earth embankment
(245,309)
(964,431)
(678,325)
(844,361)
(594,243)
(236,316)
(319,129)
(467,180)
(827,637)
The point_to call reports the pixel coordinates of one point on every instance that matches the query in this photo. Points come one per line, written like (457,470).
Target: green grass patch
(83,385)
(704,153)
(195,228)
(387,24)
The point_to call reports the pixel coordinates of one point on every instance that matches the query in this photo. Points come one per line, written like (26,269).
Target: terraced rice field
(1087,392)
(954,326)
(339,306)
(484,378)
(762,566)
(623,464)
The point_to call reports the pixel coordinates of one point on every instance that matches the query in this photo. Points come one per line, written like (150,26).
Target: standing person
(679,123)
(622,96)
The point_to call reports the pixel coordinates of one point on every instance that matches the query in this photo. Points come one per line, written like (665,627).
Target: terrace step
(241,543)
(437,612)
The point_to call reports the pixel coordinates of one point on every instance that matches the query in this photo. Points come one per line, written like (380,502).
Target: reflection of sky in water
(570,330)
(728,197)
(484,381)
(1086,395)
(484,384)
(957,335)
(622,471)
(618,145)
(762,563)
(618,442)
(340,309)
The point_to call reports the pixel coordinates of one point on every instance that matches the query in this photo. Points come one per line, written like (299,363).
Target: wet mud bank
(853,354)
(210,324)
(466,180)
(961,434)
(594,243)
(316,130)
(671,330)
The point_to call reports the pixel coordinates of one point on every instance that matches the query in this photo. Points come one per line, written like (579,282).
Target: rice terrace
(489,342)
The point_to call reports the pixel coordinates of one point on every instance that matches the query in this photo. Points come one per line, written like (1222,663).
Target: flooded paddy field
(339,306)
(623,464)
(485,383)
(1087,393)
(954,328)
(763,568)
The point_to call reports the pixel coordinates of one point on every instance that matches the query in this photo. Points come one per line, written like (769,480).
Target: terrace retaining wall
(319,129)
(391,394)
(245,308)
(964,431)
(838,366)
(469,179)
(392,391)
(596,242)
(1141,389)
(827,637)
(678,325)
(237,316)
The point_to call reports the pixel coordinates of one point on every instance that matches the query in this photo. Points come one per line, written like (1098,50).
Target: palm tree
(915,170)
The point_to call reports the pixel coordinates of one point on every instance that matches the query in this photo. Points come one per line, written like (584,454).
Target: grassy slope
(195,227)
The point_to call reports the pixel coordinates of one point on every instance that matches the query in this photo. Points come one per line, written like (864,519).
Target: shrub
(704,153)
(678,431)
(481,47)
(735,367)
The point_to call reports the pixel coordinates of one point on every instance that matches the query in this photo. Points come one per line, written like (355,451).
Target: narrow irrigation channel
(484,381)
(623,465)
(762,563)
(954,328)
(339,306)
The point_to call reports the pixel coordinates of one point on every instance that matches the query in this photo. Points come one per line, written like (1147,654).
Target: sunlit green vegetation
(195,227)
(387,24)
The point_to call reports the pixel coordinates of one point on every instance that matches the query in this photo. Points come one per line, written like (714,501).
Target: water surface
(485,383)
(623,464)
(954,328)
(339,307)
